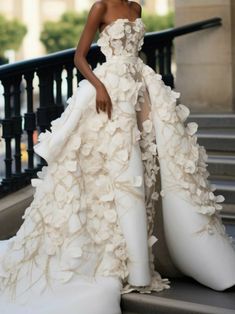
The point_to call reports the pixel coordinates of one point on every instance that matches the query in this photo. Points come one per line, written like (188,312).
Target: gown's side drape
(196,237)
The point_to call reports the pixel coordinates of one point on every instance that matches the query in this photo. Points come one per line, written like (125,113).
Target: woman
(87,236)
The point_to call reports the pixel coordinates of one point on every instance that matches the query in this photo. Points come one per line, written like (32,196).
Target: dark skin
(101,14)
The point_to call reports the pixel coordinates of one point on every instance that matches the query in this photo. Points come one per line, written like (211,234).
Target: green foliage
(66,32)
(12,33)
(156,23)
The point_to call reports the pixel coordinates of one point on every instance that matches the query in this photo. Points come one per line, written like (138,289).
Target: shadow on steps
(185,296)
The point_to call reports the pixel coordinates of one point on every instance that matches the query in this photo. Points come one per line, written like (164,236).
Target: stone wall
(205,59)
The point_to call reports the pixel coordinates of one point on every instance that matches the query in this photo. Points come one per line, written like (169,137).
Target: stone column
(71,5)
(32,47)
(150,5)
(206,59)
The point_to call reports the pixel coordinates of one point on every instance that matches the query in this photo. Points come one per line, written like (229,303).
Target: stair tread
(221,153)
(184,296)
(218,134)
(209,121)
(223,184)
(221,159)
(212,115)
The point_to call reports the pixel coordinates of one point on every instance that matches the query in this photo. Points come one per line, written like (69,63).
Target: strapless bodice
(122,37)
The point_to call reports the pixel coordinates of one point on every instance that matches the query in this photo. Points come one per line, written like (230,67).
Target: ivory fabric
(87,236)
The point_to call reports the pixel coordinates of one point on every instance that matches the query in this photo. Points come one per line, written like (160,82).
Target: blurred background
(33,28)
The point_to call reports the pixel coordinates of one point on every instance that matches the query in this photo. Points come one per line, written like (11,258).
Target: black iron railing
(53,78)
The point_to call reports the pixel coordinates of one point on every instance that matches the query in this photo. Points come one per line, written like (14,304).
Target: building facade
(206,58)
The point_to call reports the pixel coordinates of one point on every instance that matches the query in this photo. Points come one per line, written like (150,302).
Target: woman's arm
(94,19)
(92,24)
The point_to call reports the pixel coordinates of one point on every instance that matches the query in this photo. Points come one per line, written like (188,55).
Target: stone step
(228,215)
(230,229)
(217,140)
(224,186)
(210,120)
(185,296)
(220,164)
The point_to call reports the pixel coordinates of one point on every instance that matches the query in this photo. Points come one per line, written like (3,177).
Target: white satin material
(209,258)
(198,246)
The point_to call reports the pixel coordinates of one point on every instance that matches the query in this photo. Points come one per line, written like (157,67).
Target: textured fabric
(93,210)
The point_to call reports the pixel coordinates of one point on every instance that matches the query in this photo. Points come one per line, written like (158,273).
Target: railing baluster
(7,134)
(69,78)
(17,125)
(79,76)
(30,123)
(46,100)
(58,108)
(161,59)
(58,80)
(151,58)
(169,78)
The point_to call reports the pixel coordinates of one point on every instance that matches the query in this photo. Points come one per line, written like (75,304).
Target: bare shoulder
(137,7)
(99,7)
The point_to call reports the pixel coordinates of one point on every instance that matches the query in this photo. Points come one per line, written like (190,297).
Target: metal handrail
(186,29)
(66,55)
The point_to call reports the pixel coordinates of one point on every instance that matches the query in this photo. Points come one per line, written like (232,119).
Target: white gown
(87,236)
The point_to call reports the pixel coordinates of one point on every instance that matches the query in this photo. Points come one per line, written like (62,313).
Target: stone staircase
(184,297)
(217,133)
